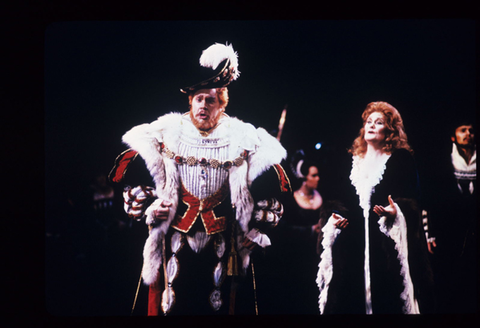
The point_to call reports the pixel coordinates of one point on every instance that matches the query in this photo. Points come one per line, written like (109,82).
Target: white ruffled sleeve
(259,238)
(398,233)
(325,267)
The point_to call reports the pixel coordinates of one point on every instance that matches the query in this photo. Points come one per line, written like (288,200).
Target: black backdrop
(103,77)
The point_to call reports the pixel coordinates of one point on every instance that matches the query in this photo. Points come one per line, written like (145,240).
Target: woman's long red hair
(395,136)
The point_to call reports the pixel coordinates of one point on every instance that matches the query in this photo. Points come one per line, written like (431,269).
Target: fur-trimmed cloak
(398,272)
(264,151)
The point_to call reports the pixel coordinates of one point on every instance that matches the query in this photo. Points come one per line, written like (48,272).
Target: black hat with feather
(219,66)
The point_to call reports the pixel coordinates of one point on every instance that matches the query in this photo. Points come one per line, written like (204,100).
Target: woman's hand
(390,211)
(340,222)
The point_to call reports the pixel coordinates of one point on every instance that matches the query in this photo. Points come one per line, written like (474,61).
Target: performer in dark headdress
(218,183)
(300,228)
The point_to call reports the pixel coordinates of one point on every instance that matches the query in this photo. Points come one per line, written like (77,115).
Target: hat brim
(220,79)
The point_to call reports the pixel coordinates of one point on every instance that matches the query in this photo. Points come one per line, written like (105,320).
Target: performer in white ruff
(215,200)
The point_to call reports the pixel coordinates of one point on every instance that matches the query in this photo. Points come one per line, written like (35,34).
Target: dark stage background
(102,78)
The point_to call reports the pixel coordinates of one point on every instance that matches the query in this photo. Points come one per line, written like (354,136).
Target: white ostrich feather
(216,53)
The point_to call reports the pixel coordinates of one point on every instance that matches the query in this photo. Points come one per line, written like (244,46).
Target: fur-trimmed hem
(325,266)
(398,233)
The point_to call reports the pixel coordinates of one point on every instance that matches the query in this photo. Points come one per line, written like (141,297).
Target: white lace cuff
(259,238)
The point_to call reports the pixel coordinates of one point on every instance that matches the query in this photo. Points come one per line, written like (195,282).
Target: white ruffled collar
(366,173)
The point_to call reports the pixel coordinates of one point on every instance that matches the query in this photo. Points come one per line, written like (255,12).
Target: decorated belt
(204,208)
(192,160)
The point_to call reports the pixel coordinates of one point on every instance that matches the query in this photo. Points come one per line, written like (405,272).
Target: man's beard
(205,125)
(465,144)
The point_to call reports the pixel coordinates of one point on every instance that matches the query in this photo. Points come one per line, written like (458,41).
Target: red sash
(204,208)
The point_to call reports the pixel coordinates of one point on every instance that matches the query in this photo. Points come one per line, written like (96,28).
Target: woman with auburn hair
(373,258)
(395,138)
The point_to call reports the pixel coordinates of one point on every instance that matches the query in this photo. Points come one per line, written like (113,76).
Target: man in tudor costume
(218,189)
(451,219)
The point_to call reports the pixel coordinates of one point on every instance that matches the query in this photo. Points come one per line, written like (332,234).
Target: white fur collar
(459,162)
(365,175)
(264,149)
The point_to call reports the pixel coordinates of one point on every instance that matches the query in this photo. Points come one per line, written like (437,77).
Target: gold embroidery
(214,163)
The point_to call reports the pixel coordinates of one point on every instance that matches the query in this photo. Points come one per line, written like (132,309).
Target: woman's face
(312,178)
(375,128)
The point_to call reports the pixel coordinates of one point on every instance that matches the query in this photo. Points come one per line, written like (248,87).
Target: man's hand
(250,245)
(158,211)
(255,238)
(162,211)
(431,245)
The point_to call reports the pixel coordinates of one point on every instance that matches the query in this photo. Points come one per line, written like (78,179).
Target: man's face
(205,111)
(464,136)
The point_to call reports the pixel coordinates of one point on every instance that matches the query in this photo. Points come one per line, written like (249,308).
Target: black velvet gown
(302,259)
(346,292)
(286,275)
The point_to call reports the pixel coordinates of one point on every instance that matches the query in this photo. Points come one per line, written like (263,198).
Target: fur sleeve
(146,138)
(268,152)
